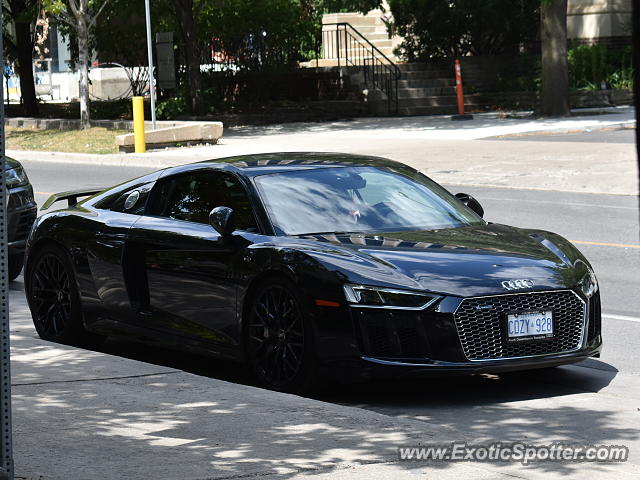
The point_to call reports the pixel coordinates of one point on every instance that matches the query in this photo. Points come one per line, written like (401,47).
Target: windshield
(359,199)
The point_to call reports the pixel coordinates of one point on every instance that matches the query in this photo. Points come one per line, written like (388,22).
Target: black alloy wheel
(279,340)
(53,298)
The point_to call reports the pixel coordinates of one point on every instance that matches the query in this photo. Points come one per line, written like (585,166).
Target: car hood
(468,261)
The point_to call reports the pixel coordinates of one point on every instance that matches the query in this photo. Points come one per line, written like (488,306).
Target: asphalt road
(604,227)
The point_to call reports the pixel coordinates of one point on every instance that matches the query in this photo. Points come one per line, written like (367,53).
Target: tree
(555,69)
(238,28)
(23,14)
(187,11)
(81,17)
(119,37)
(452,28)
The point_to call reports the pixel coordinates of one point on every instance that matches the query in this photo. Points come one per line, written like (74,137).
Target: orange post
(459,90)
(461,115)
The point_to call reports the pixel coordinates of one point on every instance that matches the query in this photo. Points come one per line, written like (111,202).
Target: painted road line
(604,244)
(621,317)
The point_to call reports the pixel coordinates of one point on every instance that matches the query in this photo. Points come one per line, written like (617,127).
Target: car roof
(277,162)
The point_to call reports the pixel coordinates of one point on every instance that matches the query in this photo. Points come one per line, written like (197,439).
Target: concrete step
(329,62)
(382,45)
(367,30)
(426,74)
(358,53)
(377,36)
(363,29)
(425,83)
(425,92)
(415,66)
(355,19)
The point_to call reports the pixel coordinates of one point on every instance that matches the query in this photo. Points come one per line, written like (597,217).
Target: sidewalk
(79,414)
(462,153)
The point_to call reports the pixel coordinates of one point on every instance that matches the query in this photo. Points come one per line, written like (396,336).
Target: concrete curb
(74,124)
(110,160)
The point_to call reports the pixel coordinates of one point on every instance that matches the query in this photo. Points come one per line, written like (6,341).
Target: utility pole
(152,80)
(6,441)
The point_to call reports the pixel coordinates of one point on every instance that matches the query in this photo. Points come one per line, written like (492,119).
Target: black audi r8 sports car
(308,265)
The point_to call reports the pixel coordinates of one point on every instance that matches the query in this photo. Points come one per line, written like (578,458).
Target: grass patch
(94,140)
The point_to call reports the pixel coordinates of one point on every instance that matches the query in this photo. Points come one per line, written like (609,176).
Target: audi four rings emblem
(517,284)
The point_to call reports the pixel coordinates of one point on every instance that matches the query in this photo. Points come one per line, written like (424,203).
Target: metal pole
(152,82)
(6,441)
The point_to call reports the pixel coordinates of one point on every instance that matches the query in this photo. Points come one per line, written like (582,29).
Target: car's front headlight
(376,297)
(16,177)
(589,284)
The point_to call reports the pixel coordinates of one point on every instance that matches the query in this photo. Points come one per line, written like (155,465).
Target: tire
(16,262)
(54,300)
(279,338)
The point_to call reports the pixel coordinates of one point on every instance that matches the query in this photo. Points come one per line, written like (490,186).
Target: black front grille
(391,334)
(481,324)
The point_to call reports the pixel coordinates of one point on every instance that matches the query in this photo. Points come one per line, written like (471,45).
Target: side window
(133,201)
(192,196)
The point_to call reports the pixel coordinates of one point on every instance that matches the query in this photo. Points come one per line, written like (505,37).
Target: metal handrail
(380,72)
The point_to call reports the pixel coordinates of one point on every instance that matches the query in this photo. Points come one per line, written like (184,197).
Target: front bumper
(399,344)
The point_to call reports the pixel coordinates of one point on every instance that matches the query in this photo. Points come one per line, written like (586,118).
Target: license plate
(529,326)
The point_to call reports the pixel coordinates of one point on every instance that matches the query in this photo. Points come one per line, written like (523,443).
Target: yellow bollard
(138,125)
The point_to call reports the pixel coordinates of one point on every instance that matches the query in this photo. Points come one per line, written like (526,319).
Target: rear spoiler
(71,196)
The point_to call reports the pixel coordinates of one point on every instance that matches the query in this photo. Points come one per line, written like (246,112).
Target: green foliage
(449,28)
(334,6)
(591,65)
(67,23)
(120,33)
(266,34)
(172,107)
(623,78)
(55,7)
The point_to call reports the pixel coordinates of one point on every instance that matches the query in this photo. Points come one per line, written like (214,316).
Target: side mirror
(223,221)
(471,202)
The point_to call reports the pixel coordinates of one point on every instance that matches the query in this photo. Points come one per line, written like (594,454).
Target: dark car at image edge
(310,265)
(21,213)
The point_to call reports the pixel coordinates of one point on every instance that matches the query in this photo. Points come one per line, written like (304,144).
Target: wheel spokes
(276,335)
(50,295)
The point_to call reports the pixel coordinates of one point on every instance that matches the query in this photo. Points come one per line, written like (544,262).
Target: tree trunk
(24,48)
(555,68)
(83,72)
(191,51)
